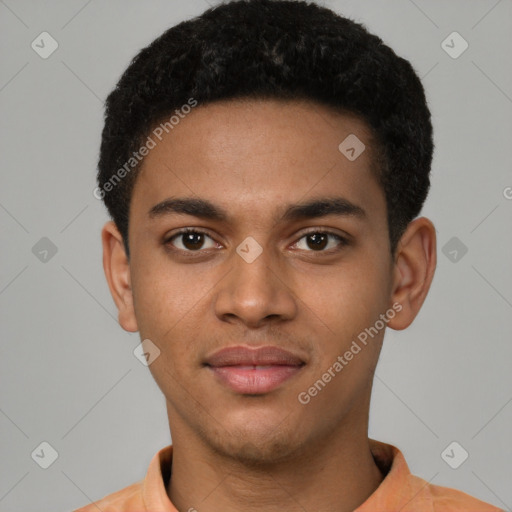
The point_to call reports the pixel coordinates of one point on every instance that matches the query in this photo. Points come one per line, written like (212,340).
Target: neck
(335,474)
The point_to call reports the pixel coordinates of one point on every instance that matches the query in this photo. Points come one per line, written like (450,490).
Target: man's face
(306,292)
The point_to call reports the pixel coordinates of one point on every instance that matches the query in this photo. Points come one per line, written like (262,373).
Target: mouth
(253,371)
(254,380)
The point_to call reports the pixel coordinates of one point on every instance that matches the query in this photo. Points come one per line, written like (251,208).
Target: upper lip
(246,356)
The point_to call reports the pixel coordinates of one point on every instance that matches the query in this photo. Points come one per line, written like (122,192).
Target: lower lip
(247,380)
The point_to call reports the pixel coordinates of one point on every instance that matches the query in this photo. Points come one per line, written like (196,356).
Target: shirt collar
(399,490)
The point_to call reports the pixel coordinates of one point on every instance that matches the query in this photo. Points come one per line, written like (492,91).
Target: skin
(268,452)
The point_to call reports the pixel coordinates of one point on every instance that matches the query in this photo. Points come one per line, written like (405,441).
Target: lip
(258,370)
(247,356)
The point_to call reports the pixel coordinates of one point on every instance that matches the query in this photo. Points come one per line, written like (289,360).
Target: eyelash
(341,240)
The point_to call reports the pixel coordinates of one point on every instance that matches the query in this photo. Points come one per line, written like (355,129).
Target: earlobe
(415,264)
(117,273)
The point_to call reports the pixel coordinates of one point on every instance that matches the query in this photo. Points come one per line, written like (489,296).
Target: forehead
(251,157)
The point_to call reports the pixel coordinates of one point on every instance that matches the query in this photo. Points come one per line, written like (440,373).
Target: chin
(260,450)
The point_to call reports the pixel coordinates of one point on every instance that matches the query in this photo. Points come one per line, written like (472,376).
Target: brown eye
(318,241)
(190,240)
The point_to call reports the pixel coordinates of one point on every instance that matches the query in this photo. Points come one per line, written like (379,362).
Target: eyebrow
(204,209)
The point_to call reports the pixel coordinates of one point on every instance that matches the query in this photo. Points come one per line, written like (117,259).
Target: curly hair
(275,49)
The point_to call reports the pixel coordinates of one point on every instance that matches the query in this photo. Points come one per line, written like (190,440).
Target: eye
(191,240)
(318,241)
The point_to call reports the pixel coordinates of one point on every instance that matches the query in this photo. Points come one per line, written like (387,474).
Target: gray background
(68,373)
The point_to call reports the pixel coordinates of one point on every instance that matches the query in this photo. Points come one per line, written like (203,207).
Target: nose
(255,293)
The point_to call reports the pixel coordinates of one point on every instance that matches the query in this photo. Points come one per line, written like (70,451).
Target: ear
(414,267)
(117,272)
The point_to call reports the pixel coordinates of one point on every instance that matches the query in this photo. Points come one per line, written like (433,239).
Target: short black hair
(273,49)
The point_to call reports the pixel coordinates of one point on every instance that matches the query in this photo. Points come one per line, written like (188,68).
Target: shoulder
(447,499)
(401,490)
(127,499)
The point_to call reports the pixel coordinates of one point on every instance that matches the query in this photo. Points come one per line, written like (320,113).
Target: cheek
(165,307)
(346,300)
(341,312)
(171,304)
(164,294)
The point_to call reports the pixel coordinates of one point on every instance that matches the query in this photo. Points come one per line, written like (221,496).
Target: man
(264,165)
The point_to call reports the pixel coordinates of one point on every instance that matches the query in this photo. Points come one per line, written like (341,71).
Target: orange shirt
(399,491)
